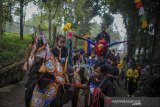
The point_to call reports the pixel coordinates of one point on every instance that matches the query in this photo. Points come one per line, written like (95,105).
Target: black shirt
(64,53)
(104,35)
(105,85)
(113,71)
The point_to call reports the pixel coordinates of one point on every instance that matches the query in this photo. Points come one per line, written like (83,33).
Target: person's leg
(135,86)
(87,99)
(56,101)
(28,96)
(132,86)
(125,85)
(129,88)
(122,75)
(114,89)
(75,100)
(29,90)
(27,78)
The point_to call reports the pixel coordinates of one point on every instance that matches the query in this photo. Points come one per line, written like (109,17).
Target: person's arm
(83,86)
(136,74)
(54,51)
(27,53)
(98,37)
(66,52)
(88,62)
(42,47)
(109,39)
(109,89)
(128,73)
(117,72)
(111,76)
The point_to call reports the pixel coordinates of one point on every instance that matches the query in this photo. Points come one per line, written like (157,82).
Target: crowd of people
(103,72)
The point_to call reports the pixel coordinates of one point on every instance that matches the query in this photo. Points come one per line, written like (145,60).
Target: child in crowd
(60,51)
(101,82)
(99,86)
(92,59)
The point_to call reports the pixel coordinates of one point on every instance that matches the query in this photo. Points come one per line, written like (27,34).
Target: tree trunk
(21,18)
(75,43)
(155,67)
(156,45)
(139,52)
(35,31)
(54,34)
(49,23)
(132,30)
(1,21)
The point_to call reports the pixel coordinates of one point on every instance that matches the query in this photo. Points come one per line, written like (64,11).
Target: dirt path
(13,95)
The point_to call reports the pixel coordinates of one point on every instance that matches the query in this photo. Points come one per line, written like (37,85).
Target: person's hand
(74,67)
(98,89)
(107,100)
(77,69)
(68,84)
(60,59)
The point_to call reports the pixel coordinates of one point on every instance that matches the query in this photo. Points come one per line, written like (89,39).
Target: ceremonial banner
(143,18)
(139,5)
(141,11)
(87,44)
(144,24)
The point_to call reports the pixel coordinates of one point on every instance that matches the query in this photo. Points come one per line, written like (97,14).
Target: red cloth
(139,5)
(101,47)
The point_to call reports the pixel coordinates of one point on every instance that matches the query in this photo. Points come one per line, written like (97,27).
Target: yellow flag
(68,1)
(85,47)
(144,24)
(86,36)
(136,1)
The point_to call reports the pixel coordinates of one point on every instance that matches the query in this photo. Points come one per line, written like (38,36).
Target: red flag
(70,35)
(139,5)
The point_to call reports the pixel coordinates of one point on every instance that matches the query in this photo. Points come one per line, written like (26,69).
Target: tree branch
(56,10)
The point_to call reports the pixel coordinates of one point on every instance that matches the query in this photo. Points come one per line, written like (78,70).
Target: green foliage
(38,21)
(96,28)
(107,19)
(7,6)
(12,48)
(143,39)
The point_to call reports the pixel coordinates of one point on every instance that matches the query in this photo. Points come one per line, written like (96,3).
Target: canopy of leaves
(38,21)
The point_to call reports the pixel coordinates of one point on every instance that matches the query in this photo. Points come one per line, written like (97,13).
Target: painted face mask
(39,42)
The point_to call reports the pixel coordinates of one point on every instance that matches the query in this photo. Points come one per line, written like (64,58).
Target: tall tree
(20,12)
(21,18)
(52,8)
(1,20)
(5,13)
